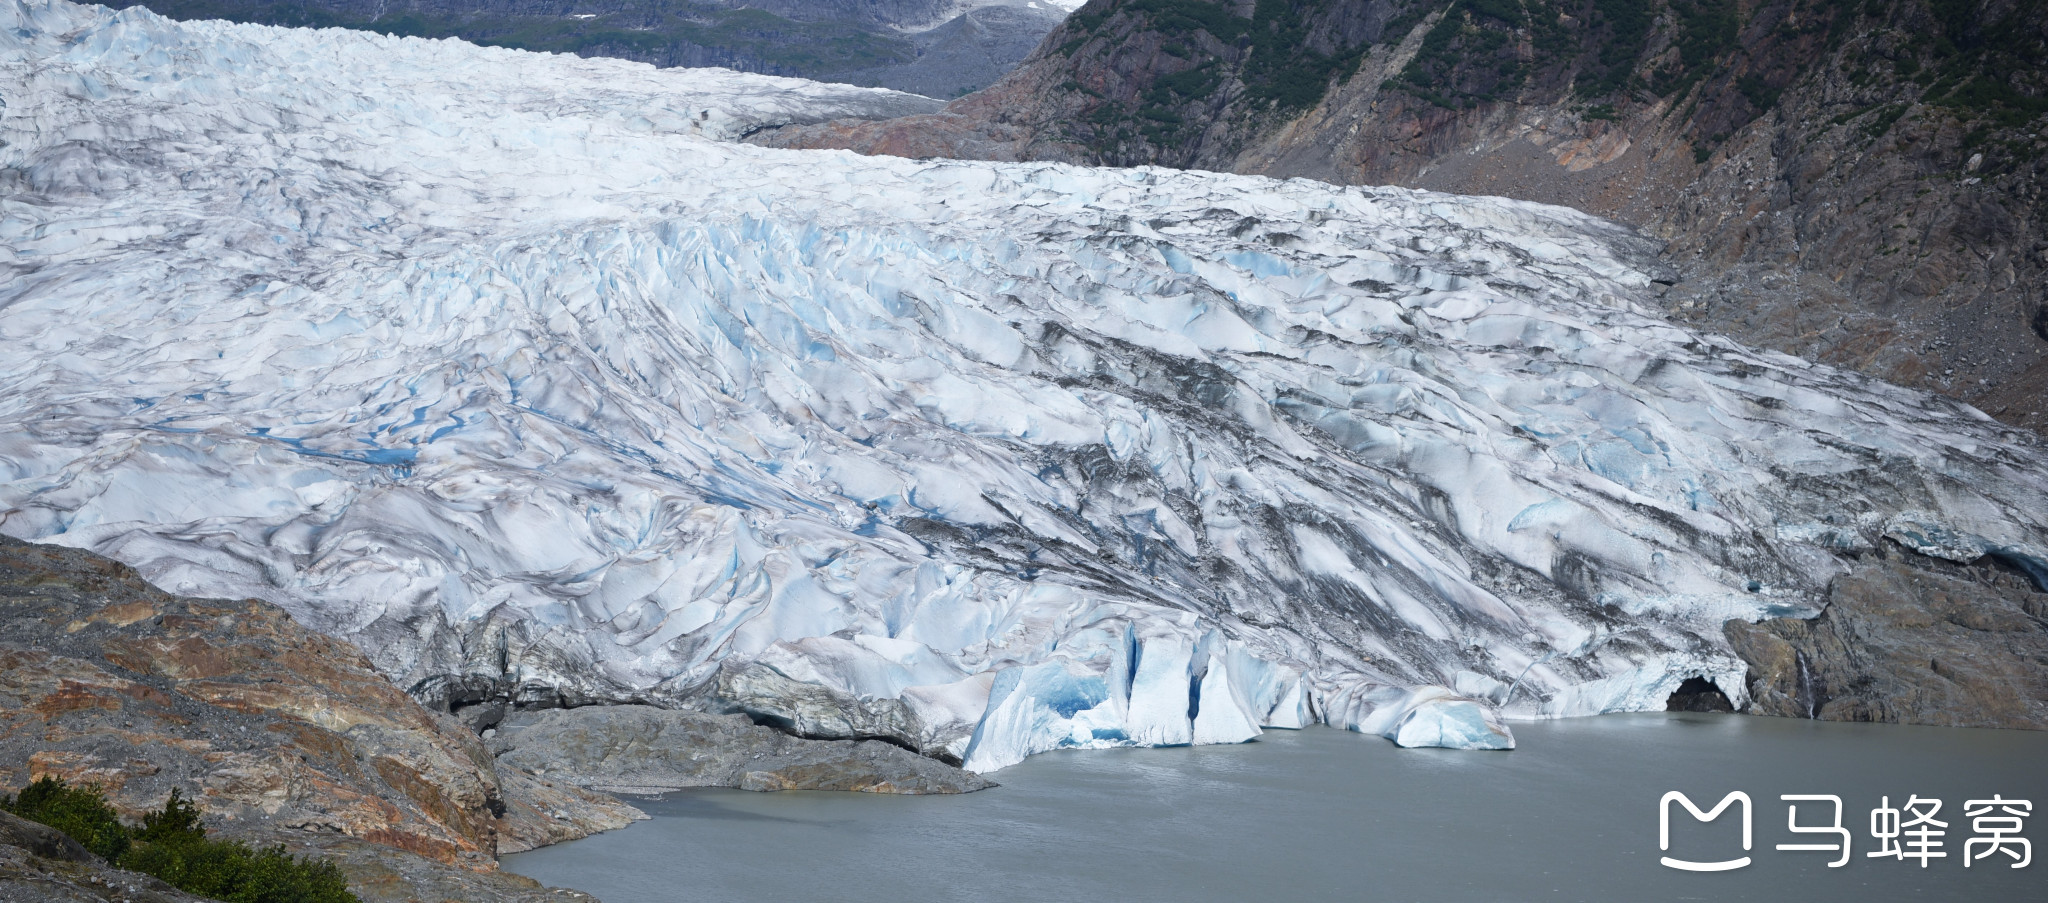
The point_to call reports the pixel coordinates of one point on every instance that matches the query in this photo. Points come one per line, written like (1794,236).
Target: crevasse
(513,369)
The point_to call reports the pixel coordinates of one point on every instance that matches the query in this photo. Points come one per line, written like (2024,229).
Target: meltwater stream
(1324,814)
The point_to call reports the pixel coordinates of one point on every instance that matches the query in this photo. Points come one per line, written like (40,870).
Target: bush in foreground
(78,811)
(172,846)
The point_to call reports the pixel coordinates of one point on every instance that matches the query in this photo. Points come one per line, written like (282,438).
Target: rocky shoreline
(646,750)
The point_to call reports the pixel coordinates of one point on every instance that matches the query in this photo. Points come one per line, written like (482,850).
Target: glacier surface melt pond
(515,370)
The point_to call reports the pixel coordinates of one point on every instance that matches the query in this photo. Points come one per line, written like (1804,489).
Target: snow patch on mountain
(511,369)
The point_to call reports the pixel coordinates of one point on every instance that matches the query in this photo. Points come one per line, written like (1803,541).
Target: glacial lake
(1325,814)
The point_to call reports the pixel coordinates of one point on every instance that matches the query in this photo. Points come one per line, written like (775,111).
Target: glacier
(521,373)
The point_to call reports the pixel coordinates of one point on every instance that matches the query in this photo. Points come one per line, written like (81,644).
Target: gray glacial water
(1324,814)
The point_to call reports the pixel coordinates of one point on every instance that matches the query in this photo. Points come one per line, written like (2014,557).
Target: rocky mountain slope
(280,734)
(1857,182)
(1907,639)
(940,48)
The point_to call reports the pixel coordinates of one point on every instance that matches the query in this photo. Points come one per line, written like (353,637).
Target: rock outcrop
(111,681)
(380,874)
(1916,643)
(813,710)
(642,749)
(1856,183)
(277,732)
(541,812)
(285,736)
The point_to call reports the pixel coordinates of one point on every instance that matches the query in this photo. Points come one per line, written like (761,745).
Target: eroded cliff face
(1911,640)
(1859,183)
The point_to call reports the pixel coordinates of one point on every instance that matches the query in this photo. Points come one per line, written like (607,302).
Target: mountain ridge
(940,48)
(1855,182)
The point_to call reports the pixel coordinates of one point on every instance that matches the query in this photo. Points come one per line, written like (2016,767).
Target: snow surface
(509,368)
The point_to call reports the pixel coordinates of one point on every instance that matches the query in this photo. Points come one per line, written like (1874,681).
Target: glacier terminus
(523,374)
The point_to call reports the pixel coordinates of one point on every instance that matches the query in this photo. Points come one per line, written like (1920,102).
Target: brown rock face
(281,735)
(105,679)
(1861,184)
(1944,645)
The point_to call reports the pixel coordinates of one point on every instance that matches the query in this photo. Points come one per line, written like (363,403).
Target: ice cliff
(514,370)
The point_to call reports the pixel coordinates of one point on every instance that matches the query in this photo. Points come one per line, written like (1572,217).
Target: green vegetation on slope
(78,811)
(1714,66)
(1283,58)
(172,846)
(1470,56)
(1482,51)
(1978,66)
(1984,62)
(1285,67)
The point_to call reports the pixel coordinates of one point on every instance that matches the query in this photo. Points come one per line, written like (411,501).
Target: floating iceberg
(515,370)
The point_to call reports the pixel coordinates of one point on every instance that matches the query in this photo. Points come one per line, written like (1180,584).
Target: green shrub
(1882,123)
(1758,92)
(81,812)
(1627,25)
(234,872)
(1706,30)
(177,822)
(172,845)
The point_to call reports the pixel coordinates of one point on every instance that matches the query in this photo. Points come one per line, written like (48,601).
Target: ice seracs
(509,368)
